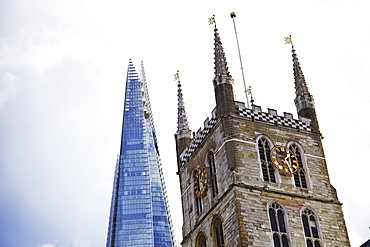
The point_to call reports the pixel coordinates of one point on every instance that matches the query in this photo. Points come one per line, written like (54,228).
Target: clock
(284,159)
(200,182)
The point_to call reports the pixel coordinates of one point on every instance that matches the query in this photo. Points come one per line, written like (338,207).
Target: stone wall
(242,201)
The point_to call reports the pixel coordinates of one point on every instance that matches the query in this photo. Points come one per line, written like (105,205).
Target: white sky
(62,76)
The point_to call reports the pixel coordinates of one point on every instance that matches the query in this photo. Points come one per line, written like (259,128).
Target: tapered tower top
(299,80)
(222,82)
(222,74)
(183,129)
(304,101)
(183,133)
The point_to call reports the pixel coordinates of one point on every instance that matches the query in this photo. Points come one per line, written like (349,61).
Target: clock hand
(287,162)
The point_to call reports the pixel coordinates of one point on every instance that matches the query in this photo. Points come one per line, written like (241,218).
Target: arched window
(201,240)
(199,205)
(300,175)
(309,221)
(268,171)
(212,174)
(218,232)
(198,197)
(278,225)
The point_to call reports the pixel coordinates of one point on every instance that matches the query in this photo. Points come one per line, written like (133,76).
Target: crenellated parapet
(271,117)
(198,139)
(254,114)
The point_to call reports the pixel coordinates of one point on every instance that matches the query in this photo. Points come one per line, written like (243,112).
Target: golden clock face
(200,181)
(284,159)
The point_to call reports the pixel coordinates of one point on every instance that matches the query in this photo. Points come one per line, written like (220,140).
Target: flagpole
(233,15)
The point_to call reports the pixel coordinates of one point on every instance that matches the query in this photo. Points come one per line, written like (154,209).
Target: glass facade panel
(138,211)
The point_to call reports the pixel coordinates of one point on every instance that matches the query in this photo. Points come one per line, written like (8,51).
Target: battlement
(254,114)
(198,138)
(271,116)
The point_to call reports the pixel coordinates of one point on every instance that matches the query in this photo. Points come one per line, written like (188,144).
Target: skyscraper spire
(139,211)
(222,82)
(304,100)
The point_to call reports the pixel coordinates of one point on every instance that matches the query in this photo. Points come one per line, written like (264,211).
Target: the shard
(139,211)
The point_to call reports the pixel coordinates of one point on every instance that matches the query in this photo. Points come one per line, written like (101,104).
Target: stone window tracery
(268,171)
(278,225)
(201,240)
(199,205)
(310,226)
(212,174)
(300,179)
(198,200)
(218,232)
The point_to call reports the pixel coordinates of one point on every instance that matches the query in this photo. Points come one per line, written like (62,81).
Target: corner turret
(223,82)
(183,133)
(304,101)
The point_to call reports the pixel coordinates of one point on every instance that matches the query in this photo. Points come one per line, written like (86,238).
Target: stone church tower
(253,178)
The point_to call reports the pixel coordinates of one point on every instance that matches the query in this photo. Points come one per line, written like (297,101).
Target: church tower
(254,178)
(139,211)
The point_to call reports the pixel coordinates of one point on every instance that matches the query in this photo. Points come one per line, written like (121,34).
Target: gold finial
(212,20)
(232,14)
(249,90)
(176,76)
(288,40)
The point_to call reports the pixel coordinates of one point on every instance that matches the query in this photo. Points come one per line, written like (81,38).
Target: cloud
(62,73)
(48,245)
(8,86)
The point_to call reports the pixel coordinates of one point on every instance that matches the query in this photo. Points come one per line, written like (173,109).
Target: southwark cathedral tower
(254,178)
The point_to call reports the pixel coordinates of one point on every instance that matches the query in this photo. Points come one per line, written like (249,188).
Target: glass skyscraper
(139,212)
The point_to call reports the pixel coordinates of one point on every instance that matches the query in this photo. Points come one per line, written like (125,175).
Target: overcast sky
(62,77)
